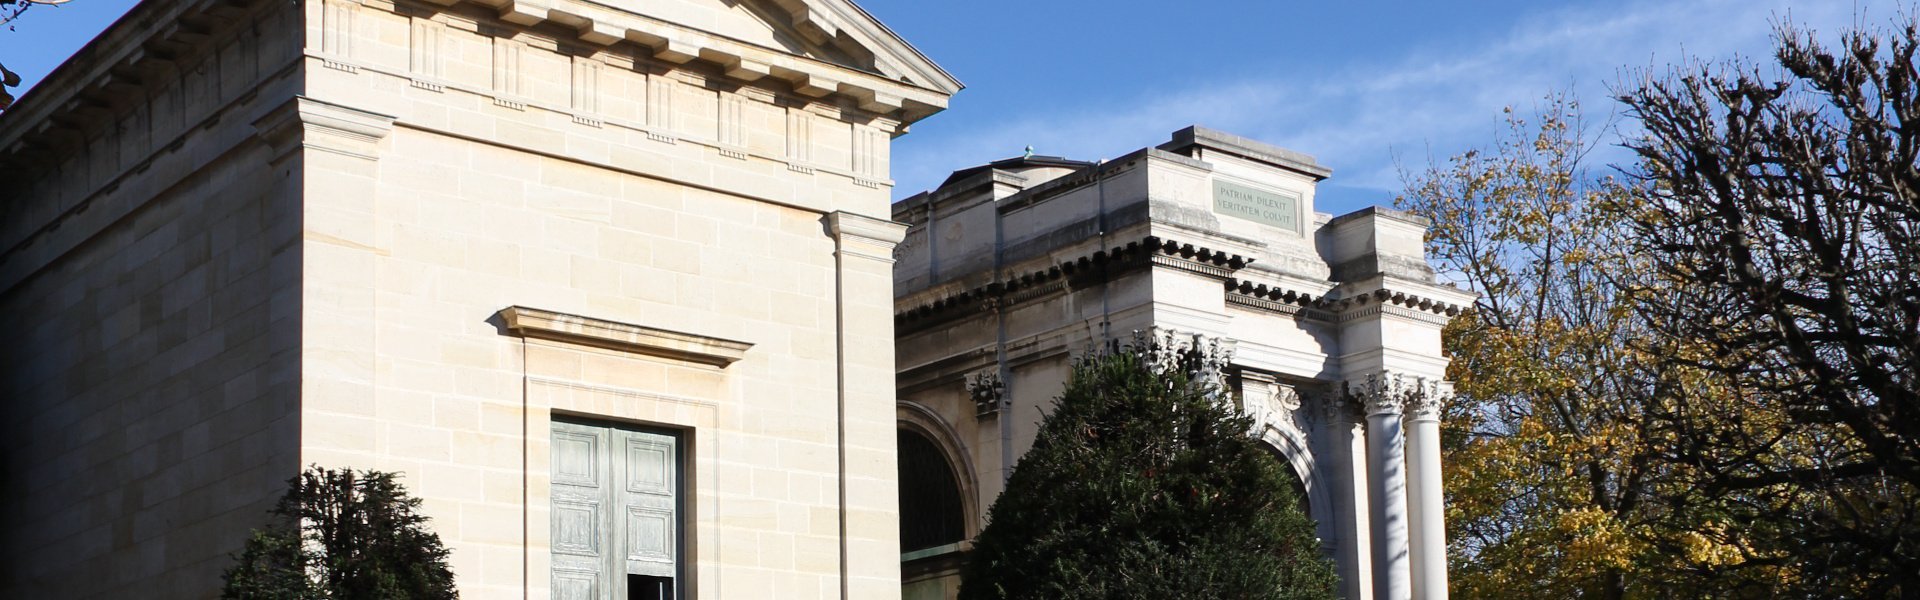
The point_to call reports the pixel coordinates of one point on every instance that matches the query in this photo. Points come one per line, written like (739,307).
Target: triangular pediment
(831,31)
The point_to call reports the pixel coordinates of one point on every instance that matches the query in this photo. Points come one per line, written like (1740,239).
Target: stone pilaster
(869,486)
(329,158)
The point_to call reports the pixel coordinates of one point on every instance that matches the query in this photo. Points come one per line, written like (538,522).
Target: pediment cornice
(147,47)
(906,86)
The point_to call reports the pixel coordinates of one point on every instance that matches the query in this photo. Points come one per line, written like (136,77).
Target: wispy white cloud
(1441,98)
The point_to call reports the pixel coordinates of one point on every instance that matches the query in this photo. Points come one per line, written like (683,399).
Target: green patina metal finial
(1029,153)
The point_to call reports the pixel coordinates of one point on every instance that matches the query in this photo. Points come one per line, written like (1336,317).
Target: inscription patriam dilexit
(1277,209)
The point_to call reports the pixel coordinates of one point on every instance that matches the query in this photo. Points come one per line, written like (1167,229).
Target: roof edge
(1248,148)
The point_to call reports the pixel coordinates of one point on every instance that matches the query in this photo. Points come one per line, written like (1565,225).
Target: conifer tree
(345,535)
(1145,483)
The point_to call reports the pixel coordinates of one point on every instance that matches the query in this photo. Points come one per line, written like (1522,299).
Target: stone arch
(1291,445)
(917,420)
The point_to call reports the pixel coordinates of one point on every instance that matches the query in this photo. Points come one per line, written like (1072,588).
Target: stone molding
(655,131)
(1096,267)
(1356,314)
(313,124)
(1088,269)
(864,236)
(1198,259)
(1398,298)
(1347,308)
(1275,299)
(588,331)
(1287,397)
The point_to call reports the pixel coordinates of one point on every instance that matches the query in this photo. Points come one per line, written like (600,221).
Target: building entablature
(850,68)
(1038,279)
(897,82)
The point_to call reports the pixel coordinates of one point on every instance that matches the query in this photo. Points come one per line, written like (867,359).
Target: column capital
(307,123)
(1392,393)
(1197,354)
(1425,407)
(864,236)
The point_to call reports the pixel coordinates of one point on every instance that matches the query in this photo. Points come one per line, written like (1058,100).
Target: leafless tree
(1783,214)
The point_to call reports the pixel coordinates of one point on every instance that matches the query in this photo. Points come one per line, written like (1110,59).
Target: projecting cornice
(1383,300)
(864,236)
(324,126)
(1097,267)
(142,51)
(906,86)
(588,331)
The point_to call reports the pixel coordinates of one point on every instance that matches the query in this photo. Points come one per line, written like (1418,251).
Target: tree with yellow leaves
(1556,482)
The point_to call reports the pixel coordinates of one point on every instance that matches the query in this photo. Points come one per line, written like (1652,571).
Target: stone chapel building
(615,287)
(609,283)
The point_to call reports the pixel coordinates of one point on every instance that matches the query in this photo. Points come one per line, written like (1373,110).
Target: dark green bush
(343,535)
(1145,483)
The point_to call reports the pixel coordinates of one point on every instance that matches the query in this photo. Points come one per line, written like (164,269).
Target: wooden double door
(616,512)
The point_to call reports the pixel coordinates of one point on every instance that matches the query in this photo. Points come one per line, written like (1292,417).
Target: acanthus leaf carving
(1384,393)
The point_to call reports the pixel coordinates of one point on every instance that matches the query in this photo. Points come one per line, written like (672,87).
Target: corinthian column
(1429,542)
(1387,488)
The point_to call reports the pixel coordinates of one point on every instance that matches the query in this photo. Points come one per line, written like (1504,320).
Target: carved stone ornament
(1254,391)
(1276,403)
(988,392)
(1426,407)
(1286,397)
(1392,393)
(1200,357)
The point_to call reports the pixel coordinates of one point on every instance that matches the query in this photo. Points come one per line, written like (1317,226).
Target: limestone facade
(242,236)
(1009,269)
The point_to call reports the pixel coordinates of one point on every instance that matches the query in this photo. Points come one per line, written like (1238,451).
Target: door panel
(650,501)
(616,510)
(579,524)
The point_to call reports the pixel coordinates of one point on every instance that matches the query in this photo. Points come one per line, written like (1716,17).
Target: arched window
(930,513)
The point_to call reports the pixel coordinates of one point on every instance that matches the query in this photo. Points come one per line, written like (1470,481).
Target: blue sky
(1354,83)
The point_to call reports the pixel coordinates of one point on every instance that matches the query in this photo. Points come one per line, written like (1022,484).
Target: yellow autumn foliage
(1552,470)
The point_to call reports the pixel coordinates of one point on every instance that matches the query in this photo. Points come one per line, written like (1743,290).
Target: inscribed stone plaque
(1271,208)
